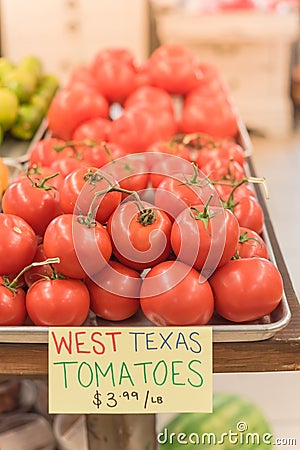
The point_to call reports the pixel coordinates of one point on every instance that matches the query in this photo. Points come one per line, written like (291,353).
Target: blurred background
(255,44)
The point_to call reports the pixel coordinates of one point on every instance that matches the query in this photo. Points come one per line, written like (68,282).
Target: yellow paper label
(130,370)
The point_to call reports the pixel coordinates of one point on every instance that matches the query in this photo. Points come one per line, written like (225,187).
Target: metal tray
(223,330)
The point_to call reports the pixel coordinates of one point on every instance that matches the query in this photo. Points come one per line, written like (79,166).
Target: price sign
(130,370)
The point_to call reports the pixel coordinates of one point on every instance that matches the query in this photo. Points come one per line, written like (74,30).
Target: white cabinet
(65,33)
(253,51)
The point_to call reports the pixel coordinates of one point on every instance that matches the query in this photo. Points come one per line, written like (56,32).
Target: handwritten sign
(130,370)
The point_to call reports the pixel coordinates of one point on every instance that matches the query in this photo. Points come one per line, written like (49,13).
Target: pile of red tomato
(140,179)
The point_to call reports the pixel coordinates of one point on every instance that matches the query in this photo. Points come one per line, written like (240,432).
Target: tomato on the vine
(37,202)
(246,289)
(140,237)
(171,294)
(198,230)
(78,191)
(96,129)
(82,245)
(251,244)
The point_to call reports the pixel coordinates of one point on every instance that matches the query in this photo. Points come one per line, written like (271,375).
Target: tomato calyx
(244,239)
(204,215)
(147,217)
(14,285)
(195,180)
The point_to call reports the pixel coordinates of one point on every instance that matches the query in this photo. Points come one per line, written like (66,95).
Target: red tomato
(142,74)
(96,129)
(58,302)
(151,97)
(36,202)
(18,244)
(71,107)
(172,295)
(249,214)
(251,244)
(224,170)
(115,292)
(36,273)
(82,249)
(199,230)
(209,114)
(12,305)
(173,68)
(126,130)
(115,79)
(140,239)
(48,150)
(246,289)
(78,191)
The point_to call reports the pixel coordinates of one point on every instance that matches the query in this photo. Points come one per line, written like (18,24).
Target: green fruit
(8,108)
(22,83)
(243,421)
(27,122)
(6,66)
(40,102)
(1,134)
(33,65)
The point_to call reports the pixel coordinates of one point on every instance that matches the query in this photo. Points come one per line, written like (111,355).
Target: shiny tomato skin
(251,244)
(224,191)
(58,302)
(90,243)
(249,214)
(115,299)
(122,54)
(18,248)
(12,306)
(36,205)
(136,245)
(182,303)
(71,107)
(201,234)
(246,289)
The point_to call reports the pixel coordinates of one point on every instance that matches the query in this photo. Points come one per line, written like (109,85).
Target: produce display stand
(281,352)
